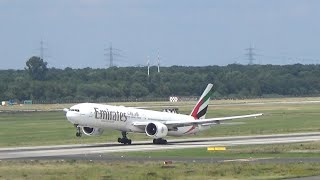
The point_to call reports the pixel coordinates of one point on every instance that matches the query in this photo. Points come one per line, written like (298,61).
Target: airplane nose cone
(70,116)
(65,110)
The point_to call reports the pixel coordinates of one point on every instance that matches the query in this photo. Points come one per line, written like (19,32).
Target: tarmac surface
(102,151)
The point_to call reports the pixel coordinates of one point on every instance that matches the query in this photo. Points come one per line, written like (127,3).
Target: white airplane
(92,119)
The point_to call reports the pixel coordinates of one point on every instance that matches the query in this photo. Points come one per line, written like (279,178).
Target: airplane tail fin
(200,110)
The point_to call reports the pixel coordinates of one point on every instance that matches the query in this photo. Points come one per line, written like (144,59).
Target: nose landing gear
(78,133)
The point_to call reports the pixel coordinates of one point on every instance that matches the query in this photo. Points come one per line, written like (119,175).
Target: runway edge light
(216,148)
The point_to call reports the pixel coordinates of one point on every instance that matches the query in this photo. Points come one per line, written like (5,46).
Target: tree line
(37,82)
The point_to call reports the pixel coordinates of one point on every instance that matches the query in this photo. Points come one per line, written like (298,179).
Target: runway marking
(63,150)
(245,160)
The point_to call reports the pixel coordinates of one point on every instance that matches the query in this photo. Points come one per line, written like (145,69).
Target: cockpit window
(77,110)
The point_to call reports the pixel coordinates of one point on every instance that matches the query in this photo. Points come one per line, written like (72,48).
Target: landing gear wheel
(159,141)
(78,133)
(124,139)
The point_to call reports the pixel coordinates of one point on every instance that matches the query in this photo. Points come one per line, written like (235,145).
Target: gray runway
(97,151)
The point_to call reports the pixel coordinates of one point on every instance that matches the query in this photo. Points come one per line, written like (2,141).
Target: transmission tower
(42,49)
(148,64)
(111,53)
(250,54)
(158,62)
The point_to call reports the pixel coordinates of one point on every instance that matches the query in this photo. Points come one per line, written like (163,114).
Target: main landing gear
(78,133)
(159,141)
(124,139)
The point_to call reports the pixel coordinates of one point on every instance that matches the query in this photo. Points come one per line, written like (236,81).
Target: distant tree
(36,68)
(137,90)
(231,81)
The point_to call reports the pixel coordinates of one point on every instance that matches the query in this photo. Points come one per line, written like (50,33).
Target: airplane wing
(205,122)
(208,121)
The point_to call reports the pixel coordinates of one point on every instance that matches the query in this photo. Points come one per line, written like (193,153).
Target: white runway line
(62,150)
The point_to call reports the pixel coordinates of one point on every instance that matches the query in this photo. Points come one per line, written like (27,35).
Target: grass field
(46,107)
(153,170)
(48,128)
(51,128)
(301,150)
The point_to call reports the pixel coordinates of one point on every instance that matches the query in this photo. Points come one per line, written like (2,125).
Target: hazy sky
(185,32)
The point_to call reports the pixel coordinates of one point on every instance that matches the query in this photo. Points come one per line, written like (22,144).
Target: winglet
(200,110)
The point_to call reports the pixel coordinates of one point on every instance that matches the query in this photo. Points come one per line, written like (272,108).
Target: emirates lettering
(110,115)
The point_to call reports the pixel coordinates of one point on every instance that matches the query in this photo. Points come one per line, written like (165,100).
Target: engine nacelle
(156,130)
(89,131)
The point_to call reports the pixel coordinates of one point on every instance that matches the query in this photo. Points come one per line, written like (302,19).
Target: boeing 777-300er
(92,119)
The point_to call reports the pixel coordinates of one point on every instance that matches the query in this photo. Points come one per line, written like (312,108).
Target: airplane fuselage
(121,118)
(92,119)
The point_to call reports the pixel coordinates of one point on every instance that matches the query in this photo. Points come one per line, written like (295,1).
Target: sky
(75,33)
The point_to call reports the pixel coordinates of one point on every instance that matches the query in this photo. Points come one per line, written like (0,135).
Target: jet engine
(156,130)
(89,131)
